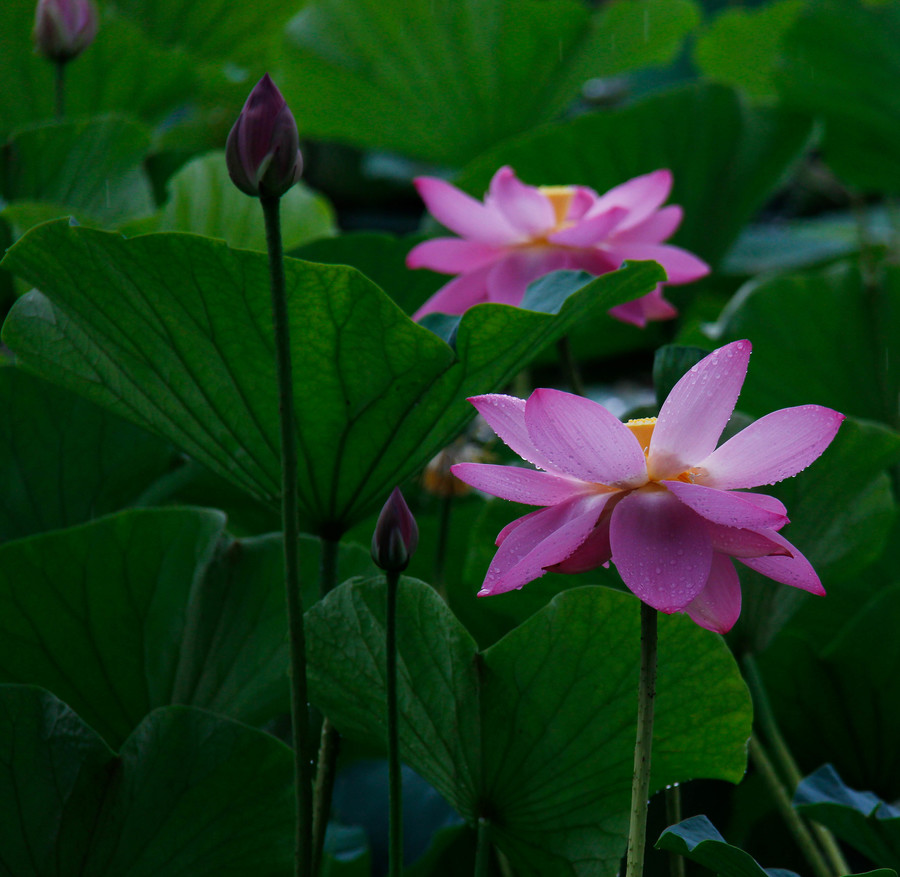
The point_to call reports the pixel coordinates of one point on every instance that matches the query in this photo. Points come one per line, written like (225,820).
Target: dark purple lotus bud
(263,148)
(396,535)
(63,29)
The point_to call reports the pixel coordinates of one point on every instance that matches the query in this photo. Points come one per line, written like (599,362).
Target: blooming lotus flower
(655,496)
(263,147)
(523,232)
(63,29)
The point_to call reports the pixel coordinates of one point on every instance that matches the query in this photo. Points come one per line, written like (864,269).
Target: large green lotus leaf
(93,168)
(64,461)
(174,332)
(838,701)
(698,840)
(444,81)
(726,157)
(536,734)
(796,244)
(214,30)
(188,794)
(204,200)
(382,258)
(741,47)
(798,324)
(840,61)
(153,607)
(111,75)
(861,819)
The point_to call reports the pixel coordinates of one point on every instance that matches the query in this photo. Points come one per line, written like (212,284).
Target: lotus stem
(290,526)
(640,786)
(395,779)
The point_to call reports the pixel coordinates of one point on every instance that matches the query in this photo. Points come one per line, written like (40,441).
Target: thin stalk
(765,715)
(329,739)
(440,554)
(640,786)
(673,817)
(483,848)
(395,781)
(795,824)
(569,365)
(290,525)
(60,89)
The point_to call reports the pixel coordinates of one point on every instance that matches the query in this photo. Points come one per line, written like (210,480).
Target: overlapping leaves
(535,734)
(174,332)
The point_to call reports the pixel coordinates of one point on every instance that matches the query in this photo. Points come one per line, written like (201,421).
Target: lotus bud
(63,29)
(396,535)
(263,148)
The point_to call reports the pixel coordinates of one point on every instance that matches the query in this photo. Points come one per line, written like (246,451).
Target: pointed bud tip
(396,534)
(63,29)
(262,152)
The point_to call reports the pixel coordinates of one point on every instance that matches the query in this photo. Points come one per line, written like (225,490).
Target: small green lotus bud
(263,148)
(396,535)
(63,29)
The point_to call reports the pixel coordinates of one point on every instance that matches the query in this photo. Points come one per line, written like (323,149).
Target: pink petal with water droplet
(718,605)
(463,214)
(660,548)
(722,507)
(452,255)
(695,413)
(543,540)
(583,439)
(773,448)
(506,416)
(794,570)
(526,486)
(593,553)
(736,542)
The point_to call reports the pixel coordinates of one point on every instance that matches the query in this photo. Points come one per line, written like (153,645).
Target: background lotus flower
(63,29)
(263,147)
(655,496)
(523,232)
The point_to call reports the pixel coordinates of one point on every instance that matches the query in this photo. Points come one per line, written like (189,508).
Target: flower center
(642,429)
(560,198)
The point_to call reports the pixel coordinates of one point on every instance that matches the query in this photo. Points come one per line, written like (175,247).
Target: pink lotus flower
(655,496)
(523,232)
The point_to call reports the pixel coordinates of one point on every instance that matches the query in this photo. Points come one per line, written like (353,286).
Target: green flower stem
(766,717)
(797,827)
(640,786)
(569,365)
(395,781)
(290,525)
(60,89)
(329,739)
(483,848)
(673,817)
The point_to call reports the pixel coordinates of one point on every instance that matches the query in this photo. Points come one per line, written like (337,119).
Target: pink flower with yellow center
(654,496)
(521,232)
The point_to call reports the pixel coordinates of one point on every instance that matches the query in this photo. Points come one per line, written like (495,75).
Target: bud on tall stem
(263,148)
